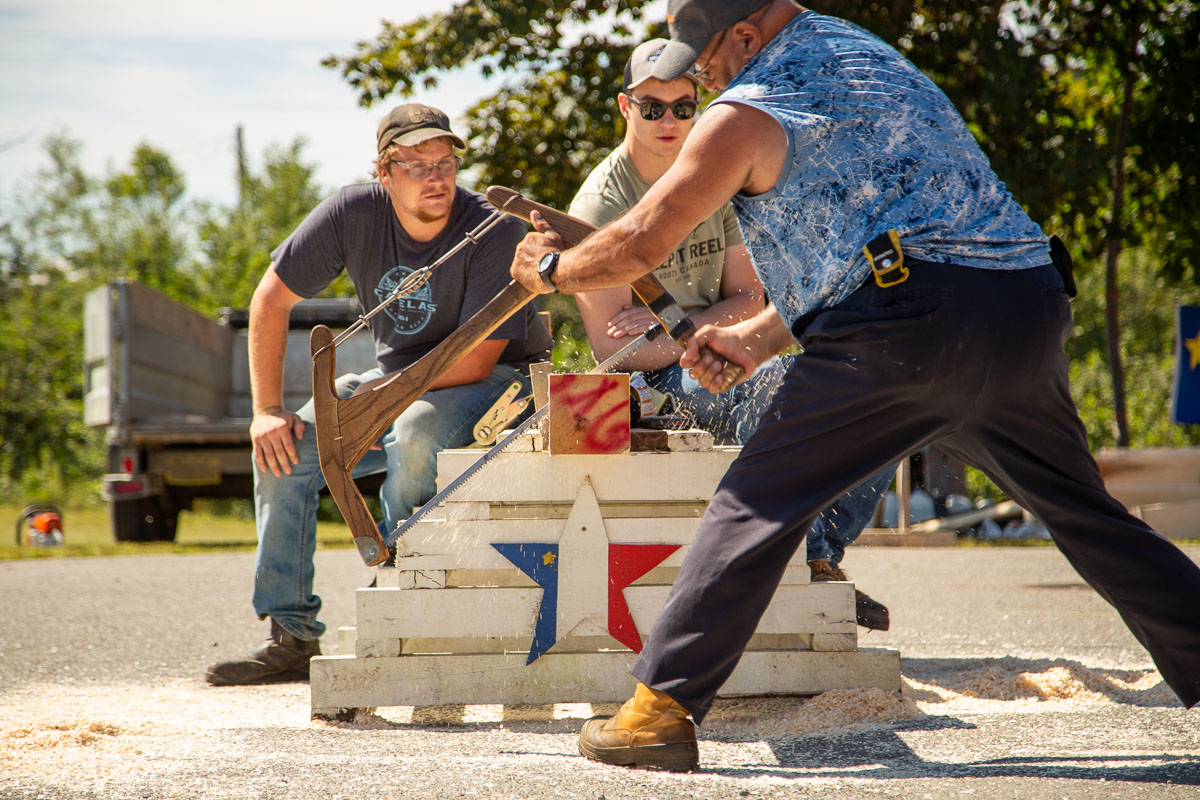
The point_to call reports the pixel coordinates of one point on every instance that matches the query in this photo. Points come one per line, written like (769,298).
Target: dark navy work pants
(971,359)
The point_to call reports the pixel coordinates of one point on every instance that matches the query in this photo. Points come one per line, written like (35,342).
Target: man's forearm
(267,350)
(602,261)
(770,331)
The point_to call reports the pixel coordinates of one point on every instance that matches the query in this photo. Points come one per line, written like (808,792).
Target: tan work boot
(650,730)
(868,612)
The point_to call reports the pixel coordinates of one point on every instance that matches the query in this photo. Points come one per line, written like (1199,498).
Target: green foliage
(557,117)
(236,243)
(1091,50)
(44,446)
(70,232)
(1147,349)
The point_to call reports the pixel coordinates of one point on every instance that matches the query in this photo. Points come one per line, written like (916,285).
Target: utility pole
(242,172)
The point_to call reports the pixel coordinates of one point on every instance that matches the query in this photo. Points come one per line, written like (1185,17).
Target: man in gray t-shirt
(379,233)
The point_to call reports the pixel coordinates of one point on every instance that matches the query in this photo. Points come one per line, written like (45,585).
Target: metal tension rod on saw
(347,427)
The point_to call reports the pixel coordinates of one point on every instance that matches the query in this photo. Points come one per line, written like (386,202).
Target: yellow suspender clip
(886,259)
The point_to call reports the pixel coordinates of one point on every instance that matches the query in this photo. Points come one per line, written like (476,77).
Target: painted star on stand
(583,578)
(538,562)
(627,563)
(1193,346)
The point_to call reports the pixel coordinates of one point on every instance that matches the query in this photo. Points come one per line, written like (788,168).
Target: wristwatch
(546,267)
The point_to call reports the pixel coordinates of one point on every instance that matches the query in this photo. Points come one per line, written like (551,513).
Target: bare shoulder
(745,136)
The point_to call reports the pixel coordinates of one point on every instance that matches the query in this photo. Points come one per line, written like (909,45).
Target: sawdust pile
(1011,681)
(63,734)
(44,748)
(833,712)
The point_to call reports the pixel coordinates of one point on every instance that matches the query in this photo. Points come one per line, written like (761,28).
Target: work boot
(282,657)
(650,730)
(868,612)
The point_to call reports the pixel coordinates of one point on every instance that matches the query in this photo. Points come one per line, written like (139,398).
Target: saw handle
(648,288)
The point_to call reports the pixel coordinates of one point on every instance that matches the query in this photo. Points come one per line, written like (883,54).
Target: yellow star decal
(1193,346)
(548,559)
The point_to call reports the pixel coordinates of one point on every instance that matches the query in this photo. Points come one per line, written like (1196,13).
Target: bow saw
(347,427)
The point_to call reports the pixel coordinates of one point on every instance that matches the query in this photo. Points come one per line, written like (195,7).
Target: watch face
(546,268)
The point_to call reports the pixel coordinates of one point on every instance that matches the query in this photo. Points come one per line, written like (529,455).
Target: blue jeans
(285,508)
(732,417)
(841,523)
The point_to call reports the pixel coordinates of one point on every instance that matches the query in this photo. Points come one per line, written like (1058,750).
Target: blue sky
(182,75)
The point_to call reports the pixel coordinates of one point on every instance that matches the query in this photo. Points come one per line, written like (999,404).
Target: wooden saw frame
(347,427)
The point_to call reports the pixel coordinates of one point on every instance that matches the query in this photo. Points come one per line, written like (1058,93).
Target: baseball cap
(692,23)
(412,123)
(638,68)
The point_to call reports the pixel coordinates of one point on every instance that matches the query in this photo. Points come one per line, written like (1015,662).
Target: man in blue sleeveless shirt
(839,156)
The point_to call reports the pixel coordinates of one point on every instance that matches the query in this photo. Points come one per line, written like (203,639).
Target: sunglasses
(654,109)
(421,170)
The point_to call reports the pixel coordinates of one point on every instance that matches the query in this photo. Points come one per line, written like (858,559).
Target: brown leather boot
(650,730)
(868,612)
(282,657)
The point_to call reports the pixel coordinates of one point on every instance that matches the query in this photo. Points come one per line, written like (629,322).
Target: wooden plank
(834,642)
(539,379)
(1178,520)
(686,441)
(377,648)
(485,557)
(797,575)
(612,509)
(434,538)
(634,477)
(589,414)
(1150,475)
(572,644)
(512,611)
(343,682)
(346,636)
(891,537)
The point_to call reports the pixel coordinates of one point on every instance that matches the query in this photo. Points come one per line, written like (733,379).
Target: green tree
(1122,66)
(1086,109)
(236,242)
(59,238)
(1147,350)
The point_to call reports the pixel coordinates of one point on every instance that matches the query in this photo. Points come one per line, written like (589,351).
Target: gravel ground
(1019,682)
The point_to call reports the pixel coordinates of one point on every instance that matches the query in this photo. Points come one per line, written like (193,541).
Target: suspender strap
(886,259)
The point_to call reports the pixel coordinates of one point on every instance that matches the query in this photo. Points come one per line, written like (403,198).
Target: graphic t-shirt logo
(412,312)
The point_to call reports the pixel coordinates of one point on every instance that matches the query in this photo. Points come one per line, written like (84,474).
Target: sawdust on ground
(104,738)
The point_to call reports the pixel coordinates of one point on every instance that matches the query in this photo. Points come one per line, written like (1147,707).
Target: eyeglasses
(702,73)
(654,109)
(421,170)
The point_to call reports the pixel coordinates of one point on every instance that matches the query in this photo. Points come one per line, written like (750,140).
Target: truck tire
(144,519)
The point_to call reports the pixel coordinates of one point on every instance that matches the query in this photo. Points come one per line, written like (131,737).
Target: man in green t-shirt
(713,280)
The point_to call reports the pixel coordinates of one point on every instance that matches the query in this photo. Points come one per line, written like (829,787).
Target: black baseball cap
(412,123)
(692,24)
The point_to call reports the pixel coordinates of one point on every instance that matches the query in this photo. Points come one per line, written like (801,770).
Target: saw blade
(500,446)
